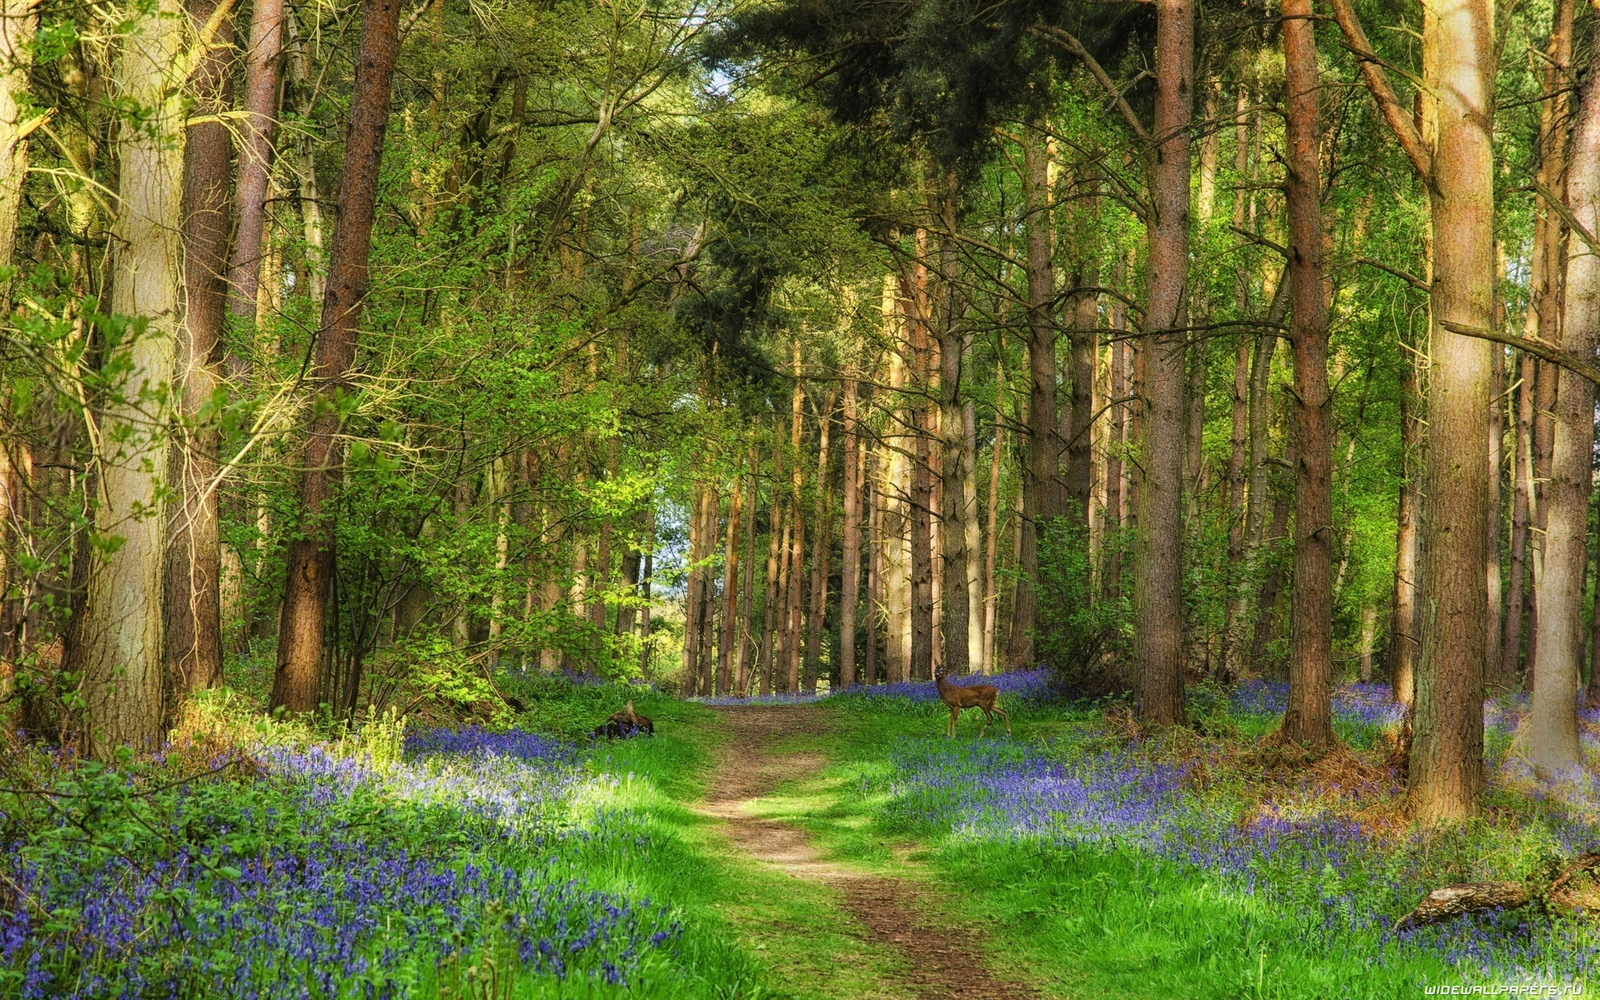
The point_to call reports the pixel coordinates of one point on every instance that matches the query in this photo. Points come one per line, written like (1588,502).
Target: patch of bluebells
(1309,860)
(1364,704)
(1023,685)
(795,698)
(327,877)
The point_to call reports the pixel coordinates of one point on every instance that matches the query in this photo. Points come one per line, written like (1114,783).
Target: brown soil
(942,960)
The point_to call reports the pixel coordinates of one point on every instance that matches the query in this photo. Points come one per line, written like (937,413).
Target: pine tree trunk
(1042,487)
(1258,501)
(991,592)
(1493,625)
(1308,720)
(1521,493)
(726,649)
(849,593)
(19,19)
(1158,561)
(263,68)
(1083,336)
(646,578)
(821,550)
(1446,763)
(874,547)
(777,547)
(119,631)
(1553,721)
(974,537)
(1404,643)
(747,585)
(191,585)
(300,630)
(956,477)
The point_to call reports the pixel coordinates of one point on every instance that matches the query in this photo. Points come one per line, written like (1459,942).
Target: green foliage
(1082,635)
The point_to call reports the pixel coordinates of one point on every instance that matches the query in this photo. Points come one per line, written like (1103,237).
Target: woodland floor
(898,912)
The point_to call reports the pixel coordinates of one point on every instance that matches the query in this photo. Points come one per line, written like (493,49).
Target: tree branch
(1399,120)
(1538,348)
(1075,48)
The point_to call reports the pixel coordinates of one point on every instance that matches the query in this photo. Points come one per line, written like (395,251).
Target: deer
(977,696)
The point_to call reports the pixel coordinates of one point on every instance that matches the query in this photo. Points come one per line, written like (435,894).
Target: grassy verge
(1110,919)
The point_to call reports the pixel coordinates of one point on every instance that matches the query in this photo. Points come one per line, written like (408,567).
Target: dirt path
(942,960)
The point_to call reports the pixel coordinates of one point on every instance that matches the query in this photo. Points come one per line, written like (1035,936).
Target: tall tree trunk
(1546,292)
(849,592)
(646,579)
(1495,521)
(1521,493)
(306,155)
(191,585)
(1083,335)
(1258,500)
(1042,485)
(1404,643)
(1446,765)
(1309,719)
(956,469)
(1592,697)
(119,632)
(921,532)
(777,548)
(1158,569)
(1553,721)
(1369,629)
(797,538)
(974,536)
(300,629)
(875,549)
(1116,450)
(991,591)
(19,19)
(747,586)
(821,549)
(263,68)
(726,652)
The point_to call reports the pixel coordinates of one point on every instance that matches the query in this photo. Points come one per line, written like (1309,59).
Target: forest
(799,498)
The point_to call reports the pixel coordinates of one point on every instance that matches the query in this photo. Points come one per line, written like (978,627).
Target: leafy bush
(1081,635)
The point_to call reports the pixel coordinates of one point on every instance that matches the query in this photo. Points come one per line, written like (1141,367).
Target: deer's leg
(954,713)
(1006,717)
(987,718)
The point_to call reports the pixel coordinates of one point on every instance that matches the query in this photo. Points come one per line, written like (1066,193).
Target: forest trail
(941,959)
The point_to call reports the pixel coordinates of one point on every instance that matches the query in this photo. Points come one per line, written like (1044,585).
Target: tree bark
(19,19)
(1521,493)
(1404,643)
(1446,763)
(300,629)
(192,577)
(821,549)
(849,595)
(1308,719)
(263,68)
(954,617)
(1553,720)
(1258,502)
(747,585)
(119,633)
(777,546)
(727,654)
(1493,523)
(1042,483)
(1158,569)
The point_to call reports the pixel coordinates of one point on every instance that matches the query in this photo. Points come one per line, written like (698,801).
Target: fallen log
(1458,900)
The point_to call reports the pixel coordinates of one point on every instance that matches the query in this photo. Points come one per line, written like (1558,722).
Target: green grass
(750,931)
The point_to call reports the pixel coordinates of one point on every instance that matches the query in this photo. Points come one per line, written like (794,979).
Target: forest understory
(824,848)
(491,495)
